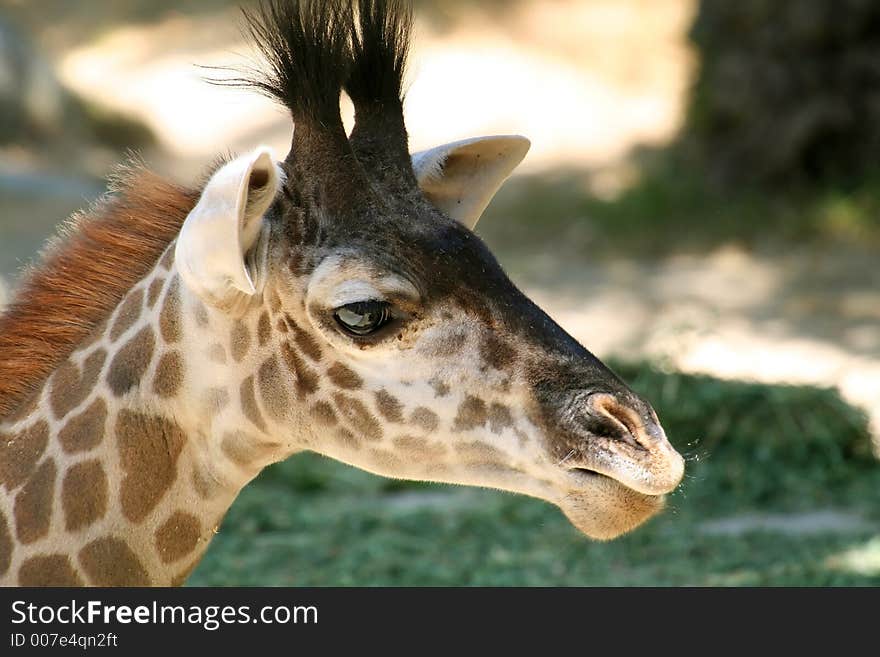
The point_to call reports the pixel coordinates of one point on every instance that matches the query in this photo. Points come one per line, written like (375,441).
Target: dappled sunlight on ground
(861,560)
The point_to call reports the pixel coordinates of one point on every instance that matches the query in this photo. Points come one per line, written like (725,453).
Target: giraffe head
(387,335)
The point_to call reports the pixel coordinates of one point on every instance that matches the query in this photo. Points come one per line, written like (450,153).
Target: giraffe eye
(363,317)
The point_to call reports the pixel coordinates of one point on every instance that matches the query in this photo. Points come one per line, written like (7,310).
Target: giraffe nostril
(618,420)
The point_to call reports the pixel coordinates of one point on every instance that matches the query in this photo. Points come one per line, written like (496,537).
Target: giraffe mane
(86,269)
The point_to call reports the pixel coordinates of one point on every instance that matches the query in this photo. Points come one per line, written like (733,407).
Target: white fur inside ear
(224,226)
(428,165)
(462,177)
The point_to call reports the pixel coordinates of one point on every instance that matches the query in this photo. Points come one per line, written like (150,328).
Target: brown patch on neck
(33,505)
(84,495)
(19,454)
(48,570)
(154,291)
(128,314)
(109,561)
(149,447)
(169,374)
(83,277)
(178,536)
(131,362)
(169,316)
(70,387)
(86,430)
(273,389)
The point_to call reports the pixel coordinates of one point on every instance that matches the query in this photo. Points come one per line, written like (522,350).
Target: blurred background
(700,207)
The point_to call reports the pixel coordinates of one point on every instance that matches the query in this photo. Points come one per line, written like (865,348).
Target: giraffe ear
(218,250)
(462,177)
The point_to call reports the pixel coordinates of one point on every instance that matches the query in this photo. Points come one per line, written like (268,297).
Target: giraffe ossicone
(335,301)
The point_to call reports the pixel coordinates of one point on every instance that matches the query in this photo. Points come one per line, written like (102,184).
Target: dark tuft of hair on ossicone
(380,47)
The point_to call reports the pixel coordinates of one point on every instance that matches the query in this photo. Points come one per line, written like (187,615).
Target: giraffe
(173,342)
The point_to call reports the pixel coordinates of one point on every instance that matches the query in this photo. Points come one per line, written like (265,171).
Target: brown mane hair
(97,256)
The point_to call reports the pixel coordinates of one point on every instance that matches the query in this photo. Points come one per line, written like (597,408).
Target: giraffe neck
(120,469)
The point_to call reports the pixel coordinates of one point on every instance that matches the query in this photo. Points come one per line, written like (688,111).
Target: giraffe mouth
(648,474)
(586,474)
(612,489)
(586,477)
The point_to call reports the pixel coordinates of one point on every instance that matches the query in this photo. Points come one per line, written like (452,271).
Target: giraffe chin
(607,509)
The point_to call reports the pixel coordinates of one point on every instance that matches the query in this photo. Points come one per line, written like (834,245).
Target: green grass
(673,208)
(751,448)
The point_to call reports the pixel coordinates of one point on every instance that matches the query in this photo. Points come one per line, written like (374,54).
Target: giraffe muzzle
(618,463)
(620,437)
